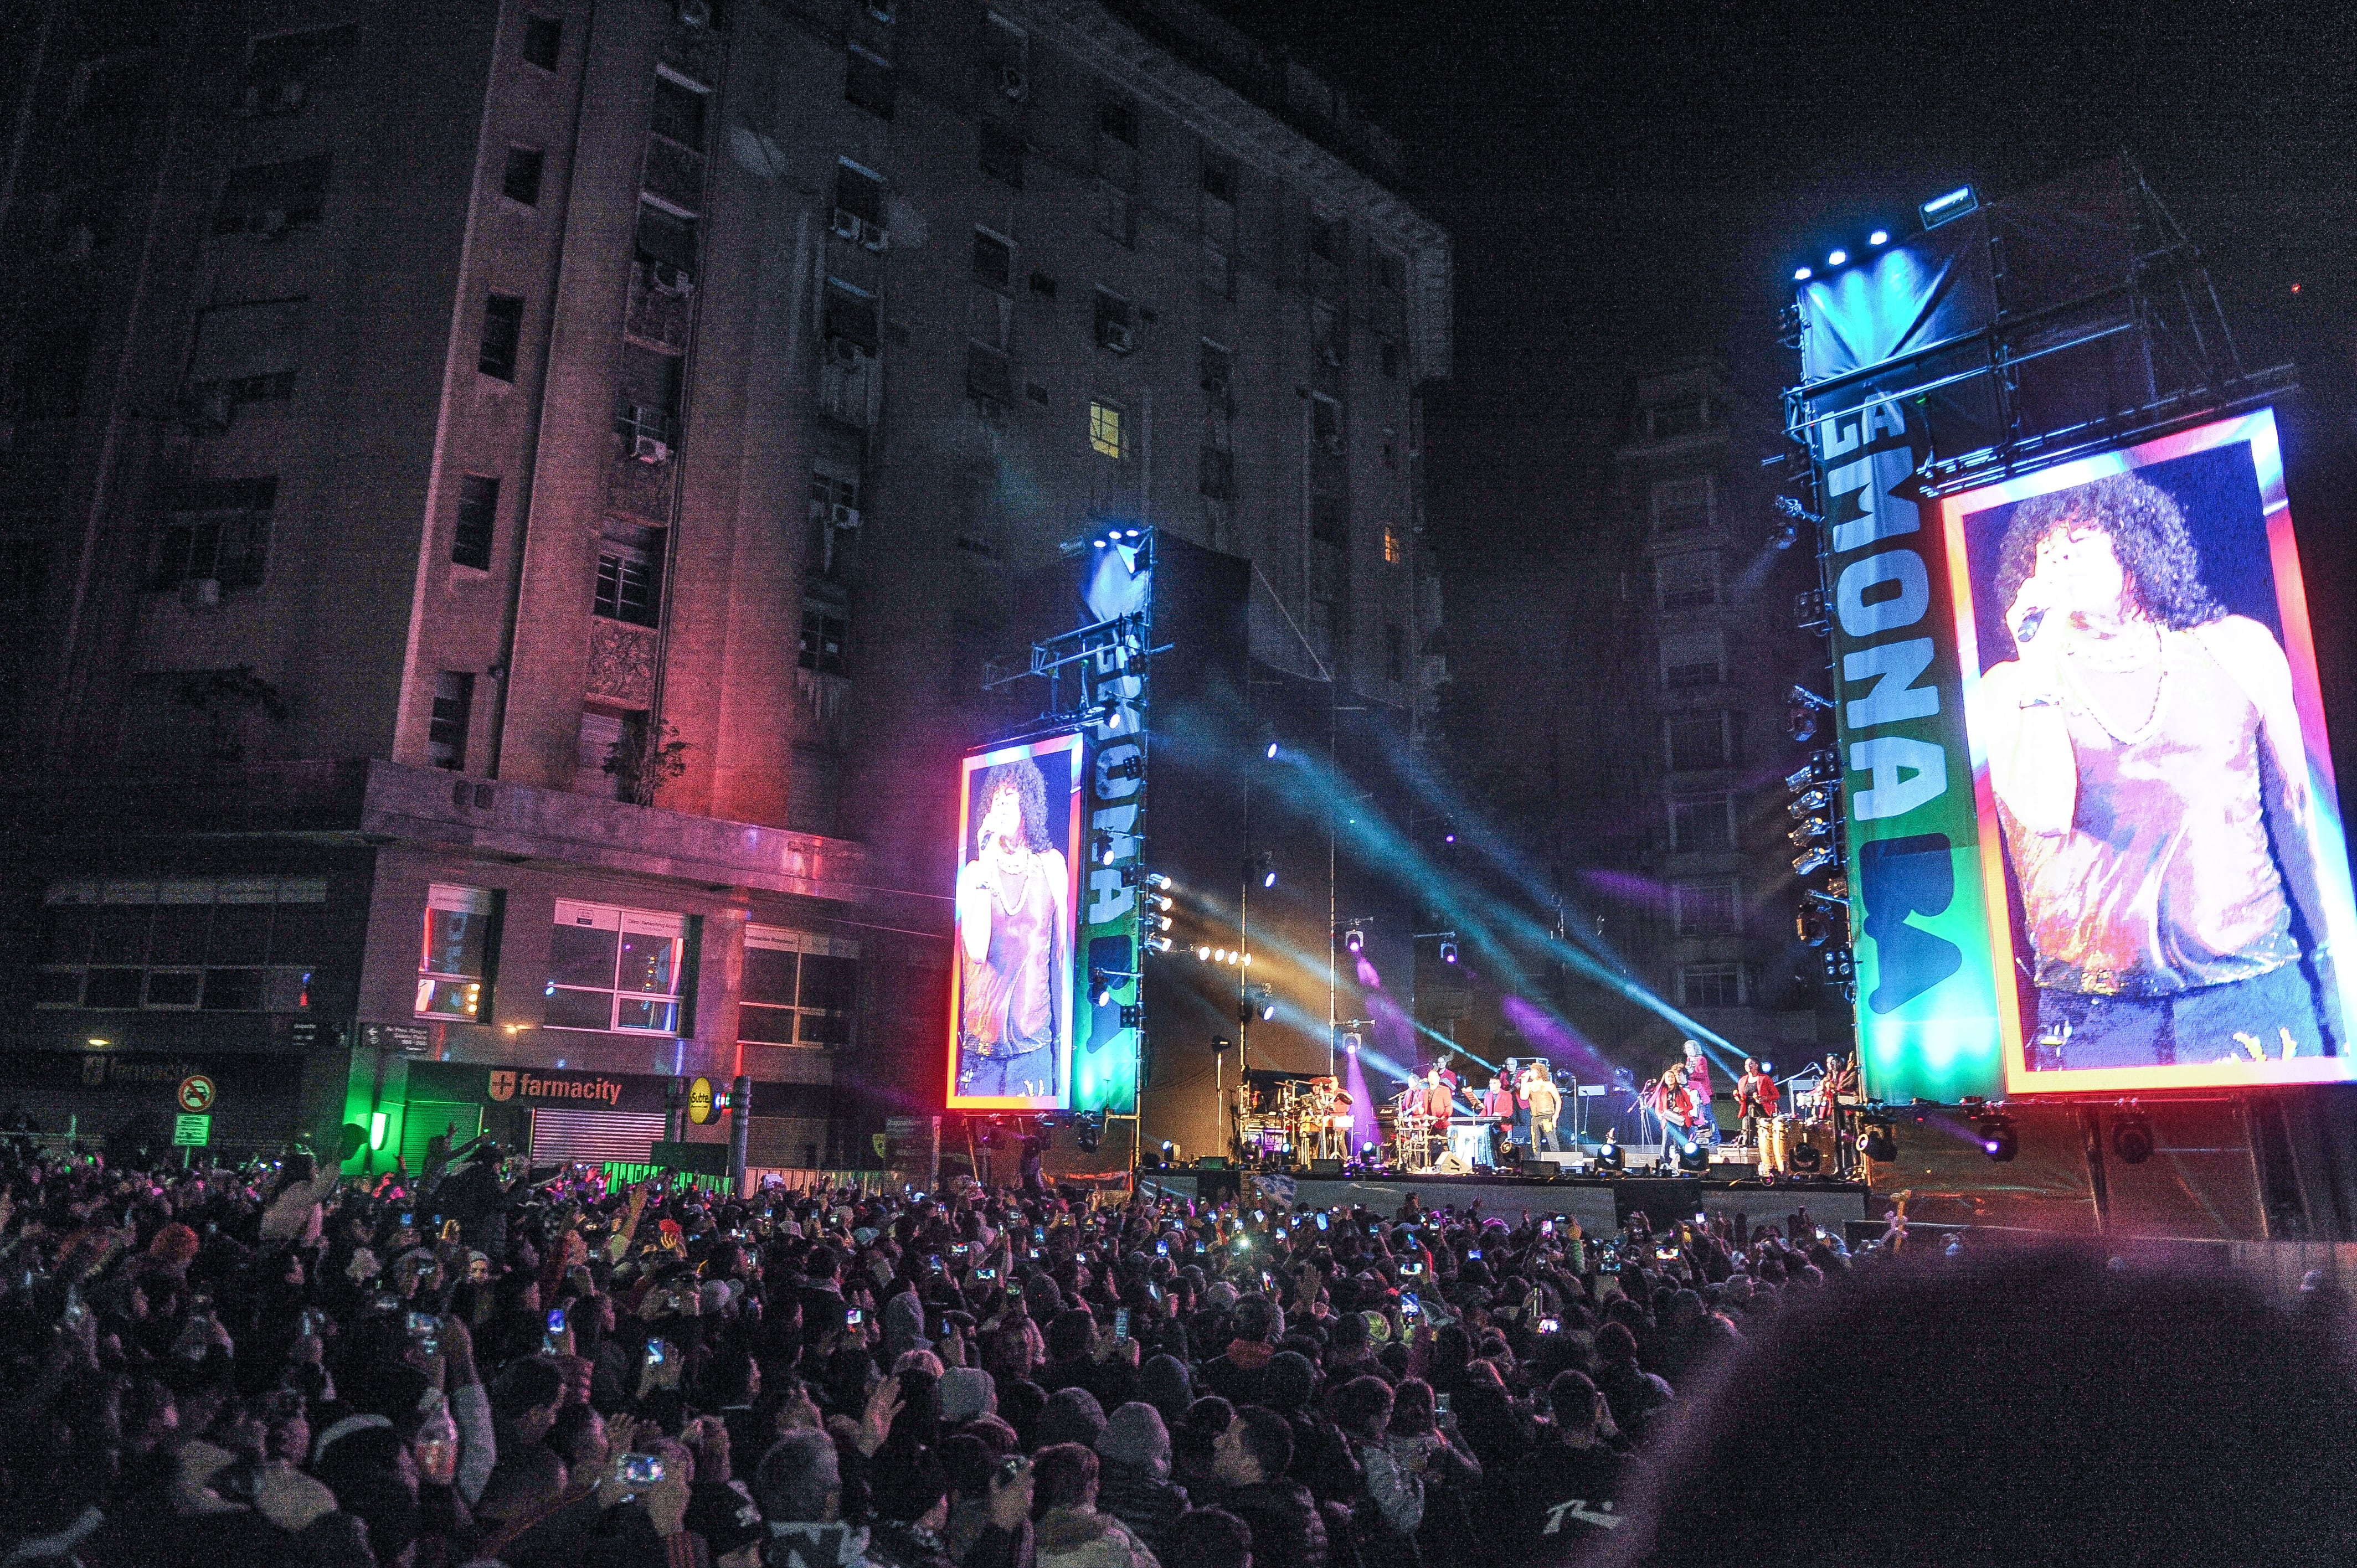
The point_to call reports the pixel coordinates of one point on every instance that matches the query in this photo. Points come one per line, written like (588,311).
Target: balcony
(638,483)
(674,174)
(622,662)
(659,313)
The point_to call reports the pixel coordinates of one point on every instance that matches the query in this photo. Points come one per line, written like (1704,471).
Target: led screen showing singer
(2147,736)
(1011,1002)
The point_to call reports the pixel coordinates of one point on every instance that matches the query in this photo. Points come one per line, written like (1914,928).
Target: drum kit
(1294,1119)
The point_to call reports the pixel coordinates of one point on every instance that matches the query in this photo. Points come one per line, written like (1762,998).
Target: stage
(1600,1204)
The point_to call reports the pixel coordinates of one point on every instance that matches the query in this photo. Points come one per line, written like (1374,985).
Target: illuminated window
(1395,547)
(616,969)
(1104,428)
(454,969)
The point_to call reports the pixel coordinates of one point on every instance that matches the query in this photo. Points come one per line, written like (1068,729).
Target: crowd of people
(493,1365)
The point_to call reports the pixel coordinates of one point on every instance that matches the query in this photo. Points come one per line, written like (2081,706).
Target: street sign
(196,1093)
(413,1039)
(191,1131)
(699,1101)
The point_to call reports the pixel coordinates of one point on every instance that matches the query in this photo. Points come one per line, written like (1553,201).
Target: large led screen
(1018,888)
(2163,864)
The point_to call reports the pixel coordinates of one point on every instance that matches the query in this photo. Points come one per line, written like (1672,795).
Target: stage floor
(1600,1204)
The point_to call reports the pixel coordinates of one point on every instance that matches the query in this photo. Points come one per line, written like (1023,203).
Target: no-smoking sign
(196,1093)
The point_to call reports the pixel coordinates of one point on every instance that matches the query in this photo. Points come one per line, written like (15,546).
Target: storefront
(254,1100)
(548,1113)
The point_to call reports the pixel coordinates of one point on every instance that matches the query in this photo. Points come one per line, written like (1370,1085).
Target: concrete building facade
(511,490)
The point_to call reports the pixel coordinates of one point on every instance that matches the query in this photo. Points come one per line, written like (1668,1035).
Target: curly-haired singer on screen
(1014,947)
(2147,760)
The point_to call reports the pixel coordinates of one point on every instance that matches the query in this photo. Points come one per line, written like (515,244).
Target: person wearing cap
(912,1499)
(729,1521)
(1134,1482)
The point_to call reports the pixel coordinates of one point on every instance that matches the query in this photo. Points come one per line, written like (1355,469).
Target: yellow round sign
(699,1101)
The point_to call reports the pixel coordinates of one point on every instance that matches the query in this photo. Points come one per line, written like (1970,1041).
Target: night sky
(1632,184)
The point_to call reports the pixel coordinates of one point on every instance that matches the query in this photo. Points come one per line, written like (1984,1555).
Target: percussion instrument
(1774,1146)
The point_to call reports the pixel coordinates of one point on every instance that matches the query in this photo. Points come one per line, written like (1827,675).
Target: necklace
(1022,884)
(2160,689)
(2113,663)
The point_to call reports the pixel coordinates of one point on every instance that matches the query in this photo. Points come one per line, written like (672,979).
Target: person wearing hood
(1072,1533)
(1134,1482)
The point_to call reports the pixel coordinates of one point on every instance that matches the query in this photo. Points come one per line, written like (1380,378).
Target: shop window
(220,944)
(800,988)
(454,967)
(616,969)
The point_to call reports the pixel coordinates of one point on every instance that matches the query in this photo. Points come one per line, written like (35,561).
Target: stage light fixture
(1997,1140)
(1808,832)
(1106,852)
(1132,766)
(1203,954)
(1449,950)
(1816,799)
(1160,944)
(1448,837)
(1170,1151)
(1813,859)
(1266,863)
(1609,1158)
(1766,1067)
(1800,777)
(1838,258)
(1693,1157)
(1802,274)
(1264,998)
(1350,1044)
(1876,1143)
(1159,922)
(1355,940)
(1132,1015)
(1880,237)
(1947,209)
(1804,1157)
(1089,1131)
(2132,1137)
(1101,982)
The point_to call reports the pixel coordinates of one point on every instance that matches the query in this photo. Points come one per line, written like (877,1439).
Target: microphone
(2028,632)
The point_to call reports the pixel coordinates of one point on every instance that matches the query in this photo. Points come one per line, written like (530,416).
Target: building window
(1686,581)
(1006,58)
(1681,505)
(268,199)
(859,199)
(1702,821)
(230,944)
(502,336)
(454,967)
(994,261)
(1220,177)
(1117,216)
(1395,653)
(665,241)
(521,182)
(629,574)
(1325,236)
(479,516)
(1106,429)
(815,806)
(283,69)
(1117,118)
(1114,325)
(453,705)
(245,353)
(869,82)
(825,631)
(1329,520)
(616,969)
(1216,473)
(800,988)
(1395,547)
(851,316)
(989,375)
(1711,985)
(646,402)
(543,35)
(1705,909)
(1391,356)
(1675,419)
(678,111)
(1326,425)
(1217,273)
(1692,660)
(1002,153)
(1391,270)
(214,529)
(1696,741)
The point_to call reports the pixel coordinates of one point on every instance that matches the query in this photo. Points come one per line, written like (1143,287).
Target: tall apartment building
(436,433)
(1680,794)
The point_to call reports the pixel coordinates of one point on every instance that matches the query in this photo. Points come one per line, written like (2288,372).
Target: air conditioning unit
(1014,83)
(673,279)
(1331,356)
(842,515)
(288,98)
(875,236)
(1332,445)
(844,352)
(696,12)
(267,225)
(647,449)
(849,226)
(201,593)
(1117,336)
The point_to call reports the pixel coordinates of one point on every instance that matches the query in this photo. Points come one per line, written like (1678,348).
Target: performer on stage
(1440,1100)
(1755,1100)
(1544,1103)
(1666,1098)
(1498,1103)
(1698,1092)
(1838,1086)
(1012,942)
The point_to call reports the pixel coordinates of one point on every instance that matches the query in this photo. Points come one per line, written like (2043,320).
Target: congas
(1772,1145)
(1826,1138)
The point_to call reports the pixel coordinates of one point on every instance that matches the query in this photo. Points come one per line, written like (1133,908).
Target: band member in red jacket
(1756,1099)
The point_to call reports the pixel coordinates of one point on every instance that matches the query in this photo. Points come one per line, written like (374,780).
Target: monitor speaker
(1325,1168)
(1539,1170)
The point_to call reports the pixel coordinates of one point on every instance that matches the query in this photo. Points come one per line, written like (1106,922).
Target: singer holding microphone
(2147,760)
(1015,956)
